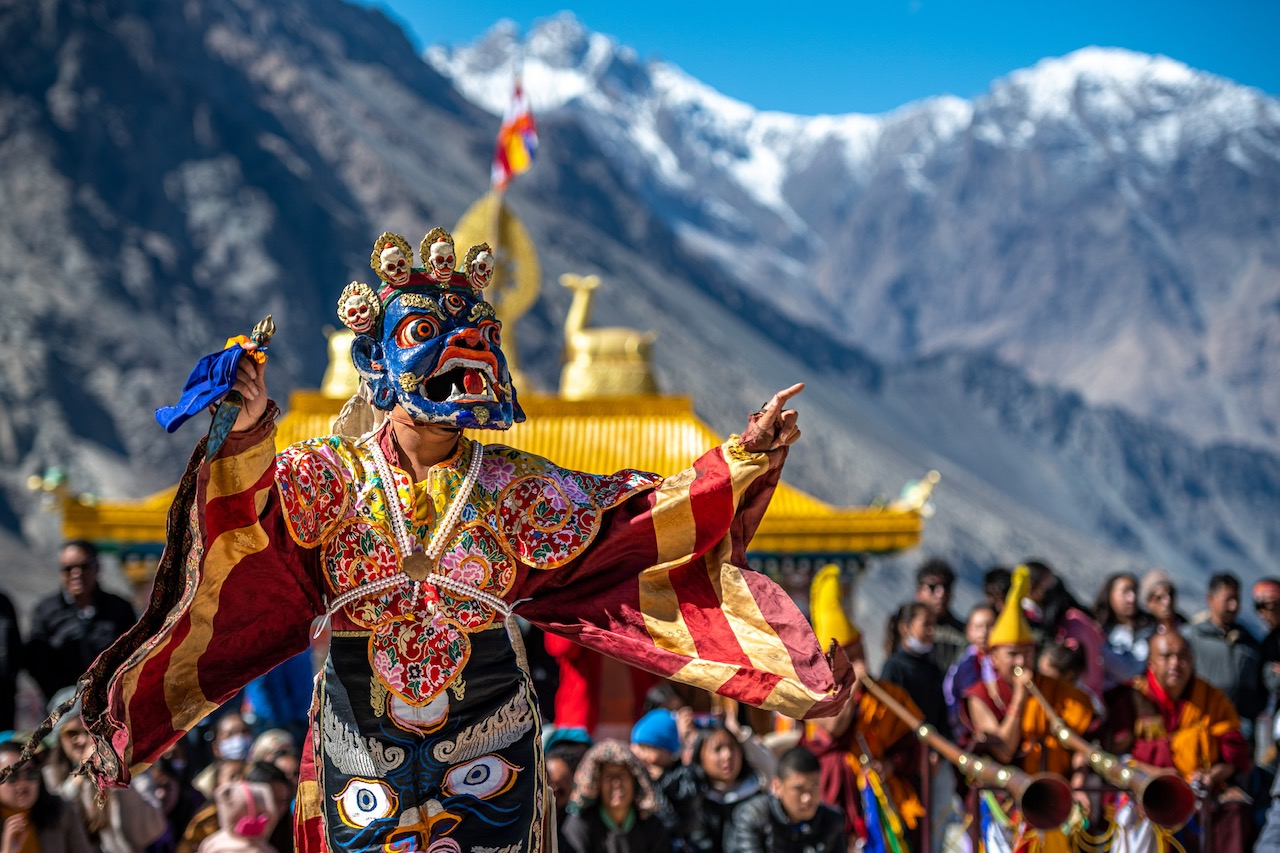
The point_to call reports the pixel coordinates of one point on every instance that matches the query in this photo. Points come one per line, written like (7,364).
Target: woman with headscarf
(612,806)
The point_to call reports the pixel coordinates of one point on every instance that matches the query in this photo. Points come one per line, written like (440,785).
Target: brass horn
(1044,799)
(1164,796)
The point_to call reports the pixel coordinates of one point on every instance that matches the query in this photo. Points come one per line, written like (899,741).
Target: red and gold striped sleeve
(234,597)
(664,587)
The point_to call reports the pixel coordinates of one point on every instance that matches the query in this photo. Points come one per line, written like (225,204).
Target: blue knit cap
(657,728)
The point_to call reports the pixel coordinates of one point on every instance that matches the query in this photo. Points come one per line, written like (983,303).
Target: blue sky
(874,55)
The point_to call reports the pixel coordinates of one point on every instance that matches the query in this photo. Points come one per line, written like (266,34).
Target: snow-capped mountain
(1107,220)
(171,172)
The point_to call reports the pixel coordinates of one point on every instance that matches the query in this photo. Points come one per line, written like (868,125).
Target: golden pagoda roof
(650,433)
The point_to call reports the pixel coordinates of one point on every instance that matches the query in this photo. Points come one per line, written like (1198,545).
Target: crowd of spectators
(692,780)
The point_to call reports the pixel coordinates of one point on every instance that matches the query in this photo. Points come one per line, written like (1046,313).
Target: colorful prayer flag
(884,829)
(517,141)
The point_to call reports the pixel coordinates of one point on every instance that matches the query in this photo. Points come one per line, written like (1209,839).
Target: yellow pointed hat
(1011,627)
(827,611)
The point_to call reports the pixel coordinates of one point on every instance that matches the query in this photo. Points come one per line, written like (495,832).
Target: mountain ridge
(1148,168)
(287,135)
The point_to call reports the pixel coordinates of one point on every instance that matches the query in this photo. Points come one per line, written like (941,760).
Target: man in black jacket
(71,627)
(934,581)
(791,817)
(10,662)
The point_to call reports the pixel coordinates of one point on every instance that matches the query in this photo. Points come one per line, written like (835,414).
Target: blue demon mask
(429,341)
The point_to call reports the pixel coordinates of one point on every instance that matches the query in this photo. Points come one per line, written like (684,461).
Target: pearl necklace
(414,564)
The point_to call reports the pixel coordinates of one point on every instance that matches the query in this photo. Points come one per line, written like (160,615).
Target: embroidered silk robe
(424,732)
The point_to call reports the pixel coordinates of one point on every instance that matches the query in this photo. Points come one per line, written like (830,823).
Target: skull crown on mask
(395,266)
(433,347)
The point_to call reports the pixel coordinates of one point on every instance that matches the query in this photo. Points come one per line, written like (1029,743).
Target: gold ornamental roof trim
(650,433)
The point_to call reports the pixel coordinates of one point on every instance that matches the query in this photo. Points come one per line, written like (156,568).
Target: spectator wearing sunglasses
(934,580)
(1266,603)
(71,627)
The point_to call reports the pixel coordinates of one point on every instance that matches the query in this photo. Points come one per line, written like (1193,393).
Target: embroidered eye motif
(365,800)
(483,778)
(416,330)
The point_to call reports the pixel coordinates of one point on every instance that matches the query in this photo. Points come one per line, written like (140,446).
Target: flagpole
(495,217)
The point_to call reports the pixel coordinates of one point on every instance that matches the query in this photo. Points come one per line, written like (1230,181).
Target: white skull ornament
(358,307)
(440,261)
(481,272)
(395,266)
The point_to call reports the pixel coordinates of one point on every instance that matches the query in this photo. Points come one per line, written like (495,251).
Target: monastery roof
(651,433)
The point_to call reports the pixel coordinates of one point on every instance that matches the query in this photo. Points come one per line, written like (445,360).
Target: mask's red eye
(492,333)
(416,330)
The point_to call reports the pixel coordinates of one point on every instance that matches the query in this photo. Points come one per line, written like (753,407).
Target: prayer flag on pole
(517,141)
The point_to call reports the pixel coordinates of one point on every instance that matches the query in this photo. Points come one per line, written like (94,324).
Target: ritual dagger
(224,418)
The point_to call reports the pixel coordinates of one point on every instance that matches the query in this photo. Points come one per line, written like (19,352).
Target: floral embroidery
(477,558)
(496,473)
(531,509)
(416,659)
(522,508)
(312,493)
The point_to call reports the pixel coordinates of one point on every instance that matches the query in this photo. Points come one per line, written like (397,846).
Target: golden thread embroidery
(377,696)
(504,728)
(736,452)
(481,310)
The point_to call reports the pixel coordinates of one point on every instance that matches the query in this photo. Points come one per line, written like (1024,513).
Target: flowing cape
(661,584)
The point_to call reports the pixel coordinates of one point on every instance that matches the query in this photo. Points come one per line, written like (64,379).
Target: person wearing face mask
(232,739)
(910,665)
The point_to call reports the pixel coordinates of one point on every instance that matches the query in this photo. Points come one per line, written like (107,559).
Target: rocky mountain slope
(169,173)
(1105,220)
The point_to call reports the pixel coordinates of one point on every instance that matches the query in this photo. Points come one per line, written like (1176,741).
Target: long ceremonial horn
(1044,799)
(1164,796)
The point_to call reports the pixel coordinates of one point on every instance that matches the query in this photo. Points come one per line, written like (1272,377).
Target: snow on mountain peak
(1103,80)
(680,125)
(1117,101)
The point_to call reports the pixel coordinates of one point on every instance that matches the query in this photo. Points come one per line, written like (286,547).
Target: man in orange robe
(1169,718)
(864,727)
(1006,721)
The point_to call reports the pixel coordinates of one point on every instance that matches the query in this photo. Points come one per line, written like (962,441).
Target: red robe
(643,569)
(888,739)
(1189,733)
